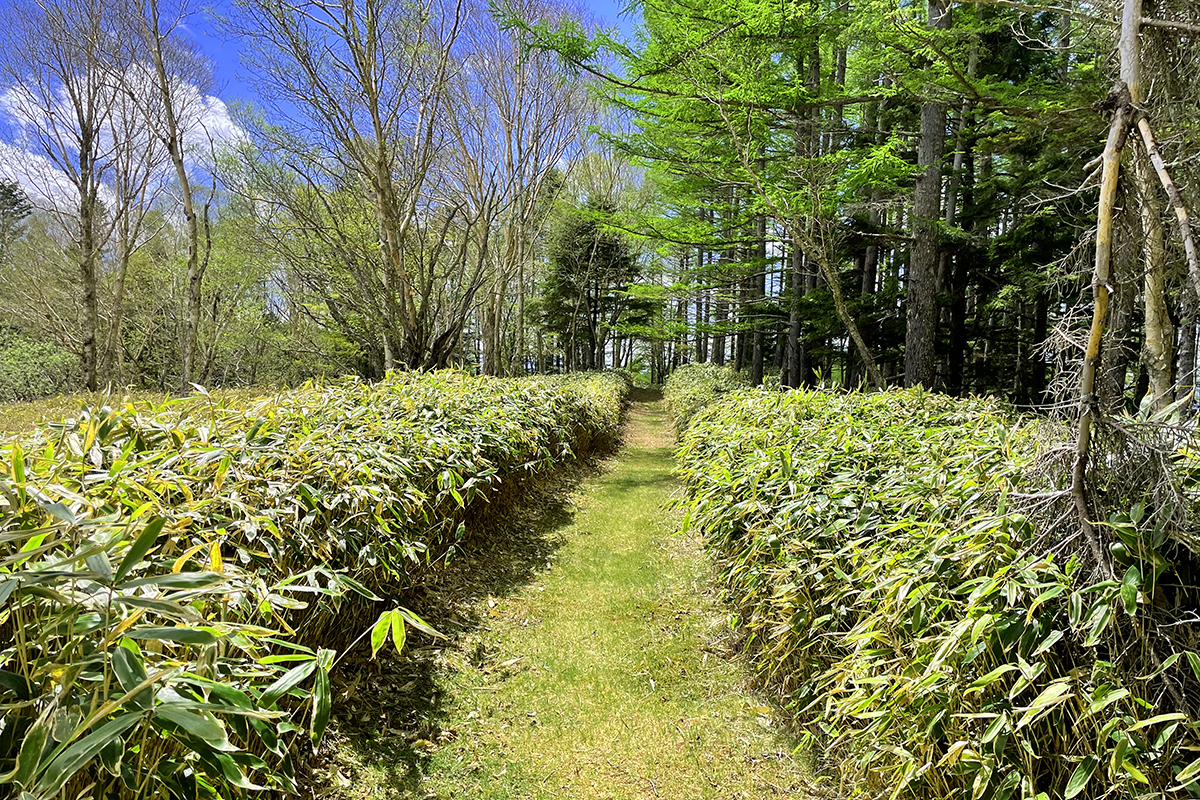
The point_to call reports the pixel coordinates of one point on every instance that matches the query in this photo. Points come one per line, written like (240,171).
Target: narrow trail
(612,673)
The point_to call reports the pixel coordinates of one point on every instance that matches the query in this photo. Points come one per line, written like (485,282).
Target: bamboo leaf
(1129,589)
(288,681)
(140,547)
(203,726)
(322,704)
(1155,720)
(130,671)
(1080,777)
(1194,661)
(194,636)
(74,758)
(1187,776)
(398,631)
(380,631)
(420,624)
(1052,695)
(178,580)
(29,757)
(992,677)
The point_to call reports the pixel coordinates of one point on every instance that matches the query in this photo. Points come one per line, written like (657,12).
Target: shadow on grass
(636,482)
(389,713)
(646,394)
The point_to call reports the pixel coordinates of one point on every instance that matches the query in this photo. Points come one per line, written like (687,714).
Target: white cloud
(46,185)
(40,132)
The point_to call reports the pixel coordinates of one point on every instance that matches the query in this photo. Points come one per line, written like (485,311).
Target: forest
(889,308)
(835,195)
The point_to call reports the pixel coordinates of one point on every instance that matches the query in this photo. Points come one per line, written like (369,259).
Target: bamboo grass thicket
(177,582)
(929,638)
(693,386)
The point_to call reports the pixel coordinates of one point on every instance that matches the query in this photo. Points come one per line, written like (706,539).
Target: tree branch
(1187,27)
(1175,198)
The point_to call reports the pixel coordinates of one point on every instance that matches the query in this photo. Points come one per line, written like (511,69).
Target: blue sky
(42,179)
(230,74)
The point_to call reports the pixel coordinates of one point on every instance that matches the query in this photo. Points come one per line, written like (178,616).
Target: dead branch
(1100,291)
(1175,198)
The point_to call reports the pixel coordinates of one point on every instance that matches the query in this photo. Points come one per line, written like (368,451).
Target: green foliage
(30,369)
(880,169)
(586,291)
(14,208)
(922,633)
(175,582)
(692,387)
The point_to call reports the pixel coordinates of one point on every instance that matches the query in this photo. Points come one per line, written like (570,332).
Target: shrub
(175,586)
(31,369)
(926,638)
(694,386)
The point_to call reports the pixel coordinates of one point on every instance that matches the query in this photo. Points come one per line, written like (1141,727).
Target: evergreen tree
(586,292)
(14,208)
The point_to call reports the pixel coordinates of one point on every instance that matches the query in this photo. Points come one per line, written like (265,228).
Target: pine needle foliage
(927,638)
(176,581)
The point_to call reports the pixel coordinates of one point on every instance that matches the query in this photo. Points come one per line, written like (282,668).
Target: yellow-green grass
(23,418)
(611,675)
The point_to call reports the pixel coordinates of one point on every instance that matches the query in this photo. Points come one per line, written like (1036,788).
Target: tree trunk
(720,318)
(921,311)
(113,362)
(1185,374)
(1101,276)
(795,363)
(1159,335)
(88,278)
(1118,351)
(758,290)
(173,138)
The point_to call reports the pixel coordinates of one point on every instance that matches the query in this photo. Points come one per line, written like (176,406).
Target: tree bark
(1185,372)
(758,290)
(1176,200)
(1159,336)
(795,365)
(921,305)
(1101,277)
(88,258)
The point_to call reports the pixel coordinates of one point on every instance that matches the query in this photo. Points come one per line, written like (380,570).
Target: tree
(361,88)
(922,311)
(587,290)
(174,94)
(518,124)
(60,85)
(137,183)
(14,208)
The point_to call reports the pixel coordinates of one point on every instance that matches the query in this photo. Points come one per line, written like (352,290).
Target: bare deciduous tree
(360,87)
(517,120)
(174,90)
(59,88)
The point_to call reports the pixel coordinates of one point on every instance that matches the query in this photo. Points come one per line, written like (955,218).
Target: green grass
(609,675)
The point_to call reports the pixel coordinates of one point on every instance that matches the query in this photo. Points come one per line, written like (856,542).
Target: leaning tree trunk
(1127,88)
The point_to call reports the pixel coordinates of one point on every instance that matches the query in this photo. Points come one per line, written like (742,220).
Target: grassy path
(609,674)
